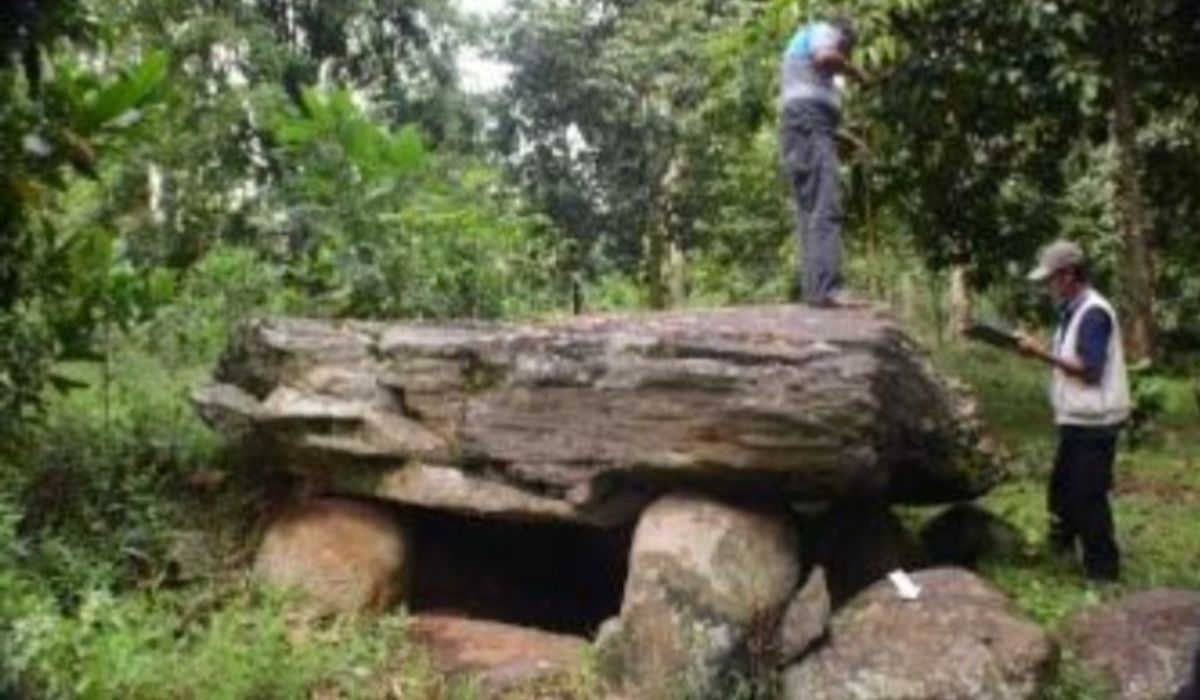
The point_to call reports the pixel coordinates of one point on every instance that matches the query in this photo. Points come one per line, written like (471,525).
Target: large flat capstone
(587,419)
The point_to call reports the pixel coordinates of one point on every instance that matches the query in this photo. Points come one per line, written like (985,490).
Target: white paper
(905,586)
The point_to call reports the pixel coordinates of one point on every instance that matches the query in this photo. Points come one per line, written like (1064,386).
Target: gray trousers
(810,160)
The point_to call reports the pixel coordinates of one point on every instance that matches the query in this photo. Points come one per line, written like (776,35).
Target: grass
(171,645)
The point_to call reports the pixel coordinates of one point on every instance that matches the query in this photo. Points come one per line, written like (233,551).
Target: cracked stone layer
(587,419)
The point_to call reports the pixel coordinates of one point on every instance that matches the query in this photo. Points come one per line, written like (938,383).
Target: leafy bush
(101,482)
(1149,394)
(613,292)
(227,286)
(717,278)
(245,645)
(384,227)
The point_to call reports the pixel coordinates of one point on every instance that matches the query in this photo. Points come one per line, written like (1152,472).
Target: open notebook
(992,335)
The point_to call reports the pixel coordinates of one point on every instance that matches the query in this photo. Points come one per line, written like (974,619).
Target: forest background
(169,168)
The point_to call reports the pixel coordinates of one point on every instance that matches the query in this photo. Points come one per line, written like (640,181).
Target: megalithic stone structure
(587,419)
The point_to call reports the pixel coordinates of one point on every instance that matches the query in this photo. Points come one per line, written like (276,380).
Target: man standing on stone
(816,55)
(1089,392)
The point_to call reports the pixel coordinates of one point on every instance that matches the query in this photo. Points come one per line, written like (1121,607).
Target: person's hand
(861,150)
(853,147)
(1028,345)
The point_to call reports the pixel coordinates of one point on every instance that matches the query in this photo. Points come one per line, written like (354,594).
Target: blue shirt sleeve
(825,37)
(813,39)
(1095,332)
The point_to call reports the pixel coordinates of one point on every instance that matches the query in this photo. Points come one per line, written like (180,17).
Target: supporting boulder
(961,640)
(346,556)
(500,658)
(806,619)
(1141,646)
(704,579)
(586,420)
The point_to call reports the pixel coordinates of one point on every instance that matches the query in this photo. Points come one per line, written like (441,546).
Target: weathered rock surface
(961,640)
(586,419)
(704,578)
(1142,646)
(805,620)
(347,556)
(500,657)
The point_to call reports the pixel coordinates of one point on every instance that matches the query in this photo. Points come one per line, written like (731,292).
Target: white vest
(1075,401)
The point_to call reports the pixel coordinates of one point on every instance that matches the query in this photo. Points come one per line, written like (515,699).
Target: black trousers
(1078,498)
(810,157)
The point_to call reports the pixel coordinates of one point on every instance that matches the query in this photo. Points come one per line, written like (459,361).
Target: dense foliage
(631,155)
(645,130)
(169,168)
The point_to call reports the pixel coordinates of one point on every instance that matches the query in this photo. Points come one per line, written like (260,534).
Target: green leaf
(408,151)
(297,132)
(161,287)
(360,139)
(130,92)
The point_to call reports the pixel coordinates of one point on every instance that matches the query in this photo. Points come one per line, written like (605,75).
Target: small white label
(905,586)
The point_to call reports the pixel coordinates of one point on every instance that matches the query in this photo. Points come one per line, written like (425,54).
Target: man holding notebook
(1089,392)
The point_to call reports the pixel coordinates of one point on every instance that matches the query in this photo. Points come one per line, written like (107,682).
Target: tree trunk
(961,307)
(676,273)
(1138,263)
(656,266)
(664,255)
